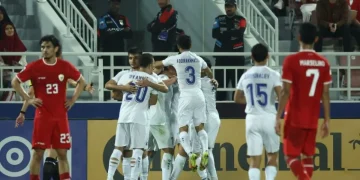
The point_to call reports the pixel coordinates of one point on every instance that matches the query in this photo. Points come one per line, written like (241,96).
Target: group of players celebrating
(172,103)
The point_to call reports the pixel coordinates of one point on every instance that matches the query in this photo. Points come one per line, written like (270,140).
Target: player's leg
(41,140)
(185,114)
(254,145)
(179,163)
(61,142)
(199,117)
(271,144)
(137,144)
(197,149)
(51,167)
(212,128)
(294,139)
(126,164)
(309,151)
(145,158)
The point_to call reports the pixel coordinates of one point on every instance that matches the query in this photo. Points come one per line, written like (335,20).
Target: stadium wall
(93,130)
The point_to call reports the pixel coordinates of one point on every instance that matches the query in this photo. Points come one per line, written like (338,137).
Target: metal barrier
(344,70)
(76,23)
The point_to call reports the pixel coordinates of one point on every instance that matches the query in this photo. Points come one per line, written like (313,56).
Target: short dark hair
(145,60)
(135,51)
(184,42)
(259,52)
(208,62)
(308,33)
(54,41)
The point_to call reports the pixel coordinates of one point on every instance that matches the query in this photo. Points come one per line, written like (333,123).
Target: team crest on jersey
(121,22)
(61,77)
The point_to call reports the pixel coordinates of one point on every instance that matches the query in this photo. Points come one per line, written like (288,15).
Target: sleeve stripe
(286,80)
(328,82)
(17,77)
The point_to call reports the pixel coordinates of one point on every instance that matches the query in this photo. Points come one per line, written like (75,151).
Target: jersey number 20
(316,74)
(191,79)
(259,93)
(140,94)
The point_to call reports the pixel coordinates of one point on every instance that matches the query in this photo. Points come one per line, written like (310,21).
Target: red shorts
(51,133)
(299,141)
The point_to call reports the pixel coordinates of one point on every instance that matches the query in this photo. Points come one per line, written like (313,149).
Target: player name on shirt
(312,63)
(187,60)
(136,77)
(257,76)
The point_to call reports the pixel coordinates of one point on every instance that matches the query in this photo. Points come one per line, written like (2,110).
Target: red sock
(297,169)
(308,166)
(34,177)
(65,176)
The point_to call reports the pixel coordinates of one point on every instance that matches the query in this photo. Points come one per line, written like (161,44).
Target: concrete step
(23,21)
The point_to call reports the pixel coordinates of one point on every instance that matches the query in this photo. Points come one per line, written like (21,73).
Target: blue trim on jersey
(218,43)
(102,23)
(216,24)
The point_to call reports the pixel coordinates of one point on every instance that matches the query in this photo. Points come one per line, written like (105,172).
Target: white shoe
(279,5)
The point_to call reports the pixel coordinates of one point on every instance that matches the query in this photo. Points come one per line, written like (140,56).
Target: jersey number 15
(261,96)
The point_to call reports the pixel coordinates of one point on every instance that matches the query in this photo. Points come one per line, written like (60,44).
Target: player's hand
(89,88)
(20,120)
(36,102)
(69,104)
(131,88)
(325,130)
(215,83)
(173,79)
(278,127)
(143,83)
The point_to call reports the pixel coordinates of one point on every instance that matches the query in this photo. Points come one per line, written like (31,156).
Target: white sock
(166,166)
(145,169)
(203,140)
(202,174)
(185,142)
(254,174)
(136,163)
(114,163)
(177,167)
(270,172)
(211,166)
(126,168)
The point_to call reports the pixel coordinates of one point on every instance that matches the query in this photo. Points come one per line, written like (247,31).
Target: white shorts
(191,110)
(174,128)
(152,145)
(260,132)
(131,136)
(194,140)
(163,137)
(212,127)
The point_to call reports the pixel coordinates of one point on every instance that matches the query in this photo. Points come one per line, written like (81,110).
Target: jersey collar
(48,63)
(307,50)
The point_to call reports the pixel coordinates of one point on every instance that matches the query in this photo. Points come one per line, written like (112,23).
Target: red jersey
(49,82)
(307,71)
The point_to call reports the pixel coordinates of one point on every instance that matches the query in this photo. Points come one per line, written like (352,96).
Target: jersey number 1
(316,74)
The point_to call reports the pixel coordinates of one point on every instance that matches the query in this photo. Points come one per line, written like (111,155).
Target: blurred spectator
(10,43)
(163,29)
(228,30)
(113,30)
(332,18)
(306,8)
(355,23)
(179,32)
(4,18)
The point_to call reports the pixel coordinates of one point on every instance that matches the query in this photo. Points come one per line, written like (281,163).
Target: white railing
(337,86)
(82,29)
(259,25)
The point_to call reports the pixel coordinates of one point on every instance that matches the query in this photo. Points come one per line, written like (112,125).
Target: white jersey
(134,107)
(118,76)
(258,85)
(159,114)
(188,67)
(209,91)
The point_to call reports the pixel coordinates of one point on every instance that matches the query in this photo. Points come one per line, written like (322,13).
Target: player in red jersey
(51,128)
(306,80)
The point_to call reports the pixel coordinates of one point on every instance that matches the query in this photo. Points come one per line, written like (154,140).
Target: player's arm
(326,102)
(79,88)
(117,95)
(25,103)
(23,76)
(159,86)
(170,81)
(283,98)
(239,96)
(112,85)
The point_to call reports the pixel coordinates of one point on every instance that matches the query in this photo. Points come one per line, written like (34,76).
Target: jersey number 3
(260,94)
(316,74)
(52,89)
(191,79)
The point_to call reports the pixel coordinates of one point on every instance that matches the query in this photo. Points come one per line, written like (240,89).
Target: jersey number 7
(140,94)
(316,74)
(262,97)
